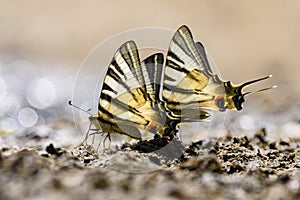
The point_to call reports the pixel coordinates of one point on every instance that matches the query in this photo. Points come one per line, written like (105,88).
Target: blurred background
(43,44)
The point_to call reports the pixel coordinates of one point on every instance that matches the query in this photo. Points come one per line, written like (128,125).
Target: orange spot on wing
(150,126)
(217,99)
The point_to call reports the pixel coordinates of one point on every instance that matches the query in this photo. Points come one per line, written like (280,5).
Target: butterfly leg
(109,140)
(93,140)
(100,140)
(107,136)
(96,131)
(86,136)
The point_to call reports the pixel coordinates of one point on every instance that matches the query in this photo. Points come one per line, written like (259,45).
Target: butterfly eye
(220,103)
(93,119)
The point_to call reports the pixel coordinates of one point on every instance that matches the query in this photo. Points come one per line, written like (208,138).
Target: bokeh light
(41,93)
(10,103)
(247,123)
(27,117)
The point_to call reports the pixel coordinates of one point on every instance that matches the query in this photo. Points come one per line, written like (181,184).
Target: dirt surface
(218,168)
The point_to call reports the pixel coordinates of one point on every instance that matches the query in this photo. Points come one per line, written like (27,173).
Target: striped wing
(151,79)
(151,72)
(190,87)
(129,91)
(188,78)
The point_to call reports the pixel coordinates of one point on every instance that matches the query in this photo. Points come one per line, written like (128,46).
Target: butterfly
(190,88)
(129,102)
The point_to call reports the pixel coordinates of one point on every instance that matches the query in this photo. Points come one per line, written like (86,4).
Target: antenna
(86,111)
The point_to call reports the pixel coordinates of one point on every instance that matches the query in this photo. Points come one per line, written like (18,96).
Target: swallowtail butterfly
(190,88)
(138,108)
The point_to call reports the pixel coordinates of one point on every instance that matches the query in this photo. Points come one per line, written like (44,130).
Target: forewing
(122,93)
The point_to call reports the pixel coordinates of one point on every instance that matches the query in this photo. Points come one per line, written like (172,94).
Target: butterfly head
(235,96)
(94,120)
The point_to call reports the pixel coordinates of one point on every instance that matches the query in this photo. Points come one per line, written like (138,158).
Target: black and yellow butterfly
(190,88)
(129,102)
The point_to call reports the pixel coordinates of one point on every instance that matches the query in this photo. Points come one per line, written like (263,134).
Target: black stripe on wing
(184,56)
(112,119)
(120,73)
(183,47)
(151,70)
(208,69)
(119,104)
(203,56)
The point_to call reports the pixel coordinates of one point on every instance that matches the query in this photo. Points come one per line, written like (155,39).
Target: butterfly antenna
(86,111)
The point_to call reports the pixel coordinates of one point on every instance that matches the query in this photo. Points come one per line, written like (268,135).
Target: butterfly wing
(149,75)
(187,73)
(118,100)
(151,72)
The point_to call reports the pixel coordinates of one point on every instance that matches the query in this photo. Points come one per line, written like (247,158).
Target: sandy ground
(217,168)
